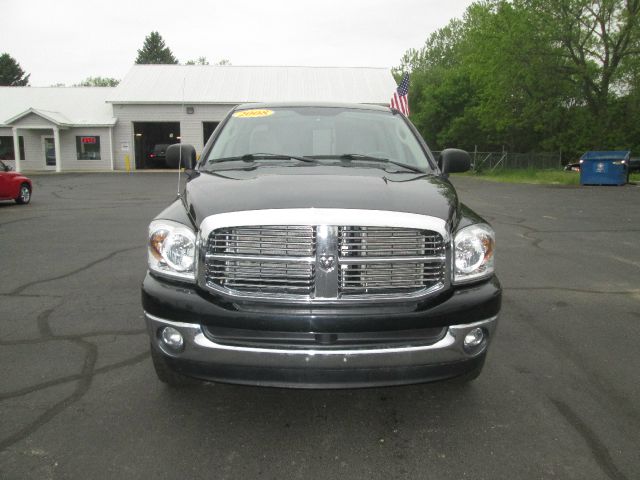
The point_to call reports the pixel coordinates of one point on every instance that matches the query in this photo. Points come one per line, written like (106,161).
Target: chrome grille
(261,277)
(262,259)
(279,240)
(387,260)
(283,261)
(388,242)
(388,277)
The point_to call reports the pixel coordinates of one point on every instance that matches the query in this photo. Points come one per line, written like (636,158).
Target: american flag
(400,99)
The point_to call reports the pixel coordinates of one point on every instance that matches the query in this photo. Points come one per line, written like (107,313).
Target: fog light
(172,338)
(474,338)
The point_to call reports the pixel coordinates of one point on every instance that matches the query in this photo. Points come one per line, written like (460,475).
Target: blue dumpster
(604,168)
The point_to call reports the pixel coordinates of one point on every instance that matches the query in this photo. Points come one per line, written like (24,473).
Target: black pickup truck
(319,246)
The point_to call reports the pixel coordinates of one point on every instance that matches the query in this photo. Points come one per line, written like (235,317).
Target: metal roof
(53,117)
(69,106)
(243,84)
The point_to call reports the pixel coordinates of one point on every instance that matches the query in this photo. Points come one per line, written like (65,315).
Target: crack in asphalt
(83,379)
(531,231)
(29,295)
(519,223)
(83,385)
(597,385)
(598,449)
(77,376)
(516,220)
(21,288)
(58,338)
(535,242)
(566,350)
(89,370)
(18,220)
(43,322)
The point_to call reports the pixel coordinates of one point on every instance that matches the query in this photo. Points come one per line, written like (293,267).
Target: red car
(13,185)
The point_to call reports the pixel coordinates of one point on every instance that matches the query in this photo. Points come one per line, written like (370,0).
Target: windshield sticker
(253,113)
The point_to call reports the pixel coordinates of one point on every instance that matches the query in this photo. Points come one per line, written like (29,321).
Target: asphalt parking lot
(558,397)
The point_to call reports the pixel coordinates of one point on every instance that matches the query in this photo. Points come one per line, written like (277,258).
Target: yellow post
(127,163)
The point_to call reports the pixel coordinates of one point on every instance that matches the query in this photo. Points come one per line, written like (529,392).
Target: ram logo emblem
(327,262)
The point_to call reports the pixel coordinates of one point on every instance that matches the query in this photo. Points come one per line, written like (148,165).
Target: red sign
(88,139)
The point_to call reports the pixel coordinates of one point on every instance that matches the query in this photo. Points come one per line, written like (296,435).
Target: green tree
(531,75)
(204,61)
(154,51)
(599,41)
(199,61)
(444,95)
(98,82)
(11,74)
(519,92)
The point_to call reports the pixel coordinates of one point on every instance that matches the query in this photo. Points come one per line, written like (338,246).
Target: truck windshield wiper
(250,157)
(369,158)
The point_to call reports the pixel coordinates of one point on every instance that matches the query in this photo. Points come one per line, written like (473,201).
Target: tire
(168,375)
(24,196)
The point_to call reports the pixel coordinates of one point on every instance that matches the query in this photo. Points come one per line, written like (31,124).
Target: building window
(6,148)
(88,148)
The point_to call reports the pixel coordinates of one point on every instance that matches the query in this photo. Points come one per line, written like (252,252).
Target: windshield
(323,133)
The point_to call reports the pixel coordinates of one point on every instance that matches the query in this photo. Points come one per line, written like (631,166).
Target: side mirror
(188,156)
(454,160)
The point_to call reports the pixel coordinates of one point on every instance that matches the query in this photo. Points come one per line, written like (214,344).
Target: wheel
(168,375)
(24,196)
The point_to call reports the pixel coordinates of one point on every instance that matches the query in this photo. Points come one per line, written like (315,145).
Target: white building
(87,128)
(77,122)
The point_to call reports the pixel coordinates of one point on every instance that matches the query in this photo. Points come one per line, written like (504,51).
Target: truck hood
(319,187)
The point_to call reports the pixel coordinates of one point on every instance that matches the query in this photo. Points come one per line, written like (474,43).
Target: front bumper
(191,311)
(309,368)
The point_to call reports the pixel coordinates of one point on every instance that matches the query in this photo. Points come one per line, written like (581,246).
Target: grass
(543,177)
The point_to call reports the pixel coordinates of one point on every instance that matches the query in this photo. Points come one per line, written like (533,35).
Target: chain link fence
(487,161)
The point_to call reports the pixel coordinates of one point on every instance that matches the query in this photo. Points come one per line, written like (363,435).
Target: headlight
(474,253)
(172,250)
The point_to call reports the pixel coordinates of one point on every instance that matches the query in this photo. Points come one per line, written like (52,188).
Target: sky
(64,41)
